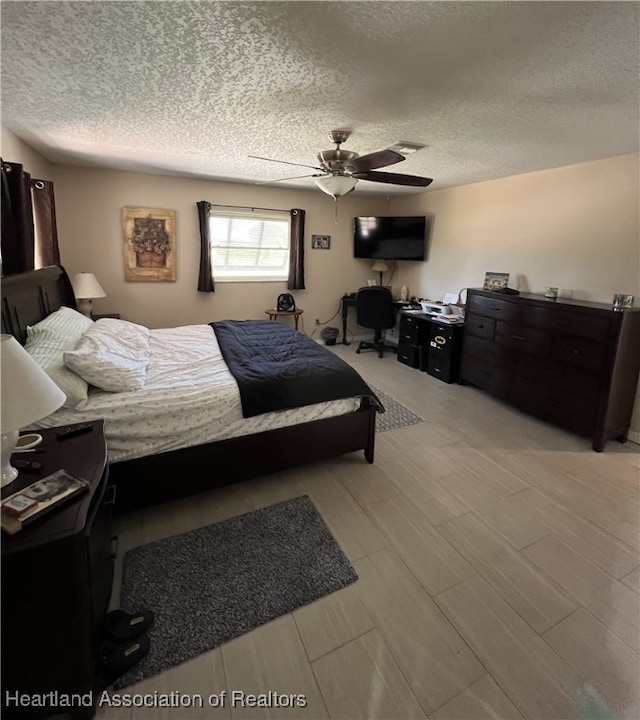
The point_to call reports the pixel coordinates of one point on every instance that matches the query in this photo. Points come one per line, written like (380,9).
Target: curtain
(17,220)
(47,251)
(205,278)
(29,231)
(296,251)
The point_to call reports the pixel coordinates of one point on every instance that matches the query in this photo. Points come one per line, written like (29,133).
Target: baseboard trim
(634,436)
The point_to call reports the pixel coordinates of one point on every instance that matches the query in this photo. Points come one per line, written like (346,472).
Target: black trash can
(329,335)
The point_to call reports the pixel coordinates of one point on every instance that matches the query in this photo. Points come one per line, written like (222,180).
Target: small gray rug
(215,583)
(395,416)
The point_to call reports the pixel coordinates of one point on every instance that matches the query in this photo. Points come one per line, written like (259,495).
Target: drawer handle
(518,337)
(110,498)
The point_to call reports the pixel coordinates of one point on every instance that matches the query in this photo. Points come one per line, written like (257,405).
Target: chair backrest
(375,308)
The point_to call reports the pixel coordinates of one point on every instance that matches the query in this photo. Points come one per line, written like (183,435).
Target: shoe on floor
(121,625)
(116,658)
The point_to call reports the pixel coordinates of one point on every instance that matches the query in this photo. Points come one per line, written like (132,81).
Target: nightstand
(116,316)
(57,575)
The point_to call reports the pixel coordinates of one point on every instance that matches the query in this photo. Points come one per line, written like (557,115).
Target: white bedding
(189,398)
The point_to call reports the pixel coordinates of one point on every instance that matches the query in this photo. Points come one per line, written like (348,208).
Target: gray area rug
(395,416)
(215,583)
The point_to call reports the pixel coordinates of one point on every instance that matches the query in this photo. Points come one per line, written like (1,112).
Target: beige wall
(89,206)
(576,228)
(13,149)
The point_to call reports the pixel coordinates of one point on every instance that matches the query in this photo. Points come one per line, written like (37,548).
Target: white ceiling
(492,88)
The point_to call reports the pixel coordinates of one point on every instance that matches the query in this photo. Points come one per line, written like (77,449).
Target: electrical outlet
(317,321)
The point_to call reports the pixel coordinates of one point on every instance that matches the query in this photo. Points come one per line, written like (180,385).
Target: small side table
(116,316)
(295,314)
(57,575)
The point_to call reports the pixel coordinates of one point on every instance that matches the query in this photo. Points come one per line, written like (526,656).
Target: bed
(170,468)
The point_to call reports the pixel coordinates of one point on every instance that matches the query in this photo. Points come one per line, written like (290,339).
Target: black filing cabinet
(414,337)
(443,359)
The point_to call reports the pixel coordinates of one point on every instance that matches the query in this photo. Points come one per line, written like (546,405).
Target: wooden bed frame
(29,297)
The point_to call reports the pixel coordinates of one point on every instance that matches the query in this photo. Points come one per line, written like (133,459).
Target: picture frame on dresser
(495,280)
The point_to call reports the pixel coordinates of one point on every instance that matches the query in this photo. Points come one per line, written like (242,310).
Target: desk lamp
(28,395)
(381,267)
(86,287)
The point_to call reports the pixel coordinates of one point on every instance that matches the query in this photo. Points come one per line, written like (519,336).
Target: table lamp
(381,267)
(28,395)
(86,287)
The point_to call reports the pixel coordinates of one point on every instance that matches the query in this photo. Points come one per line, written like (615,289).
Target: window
(252,246)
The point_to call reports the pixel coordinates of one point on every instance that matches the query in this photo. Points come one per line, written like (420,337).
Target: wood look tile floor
(499,568)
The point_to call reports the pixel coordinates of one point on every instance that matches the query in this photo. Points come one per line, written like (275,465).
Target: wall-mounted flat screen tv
(390,238)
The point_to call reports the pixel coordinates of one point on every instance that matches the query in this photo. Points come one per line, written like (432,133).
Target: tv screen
(389,238)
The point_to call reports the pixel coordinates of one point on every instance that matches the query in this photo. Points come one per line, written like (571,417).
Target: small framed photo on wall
(320,242)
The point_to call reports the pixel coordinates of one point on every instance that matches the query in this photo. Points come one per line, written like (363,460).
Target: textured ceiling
(491,88)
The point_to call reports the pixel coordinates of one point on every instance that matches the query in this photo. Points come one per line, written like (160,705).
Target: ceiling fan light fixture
(337,185)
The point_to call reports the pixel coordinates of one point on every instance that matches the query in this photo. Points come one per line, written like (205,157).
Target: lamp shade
(28,393)
(380,266)
(87,287)
(336,185)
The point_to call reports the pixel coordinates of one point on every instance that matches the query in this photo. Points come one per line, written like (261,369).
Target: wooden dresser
(572,363)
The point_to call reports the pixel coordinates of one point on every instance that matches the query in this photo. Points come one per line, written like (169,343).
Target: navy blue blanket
(278,368)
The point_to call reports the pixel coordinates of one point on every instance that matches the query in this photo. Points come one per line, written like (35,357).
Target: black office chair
(375,311)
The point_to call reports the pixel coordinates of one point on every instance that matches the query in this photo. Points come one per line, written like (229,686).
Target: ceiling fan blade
(382,158)
(394,178)
(286,162)
(294,177)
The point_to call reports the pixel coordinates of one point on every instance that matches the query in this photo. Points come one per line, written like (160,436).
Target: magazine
(38,499)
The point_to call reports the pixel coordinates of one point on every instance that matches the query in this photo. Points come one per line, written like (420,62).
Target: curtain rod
(250,207)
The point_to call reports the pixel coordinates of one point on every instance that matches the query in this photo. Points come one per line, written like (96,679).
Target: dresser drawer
(485,375)
(579,351)
(573,410)
(486,350)
(560,321)
(480,326)
(556,375)
(520,337)
(494,308)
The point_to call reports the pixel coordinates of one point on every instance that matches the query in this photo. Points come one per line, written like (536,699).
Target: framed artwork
(493,280)
(320,242)
(149,244)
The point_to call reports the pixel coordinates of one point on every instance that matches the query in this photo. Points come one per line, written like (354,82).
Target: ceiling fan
(339,170)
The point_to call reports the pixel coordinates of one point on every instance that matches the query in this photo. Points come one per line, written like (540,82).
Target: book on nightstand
(38,499)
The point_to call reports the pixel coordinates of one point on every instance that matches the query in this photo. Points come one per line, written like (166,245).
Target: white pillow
(112,355)
(68,323)
(46,346)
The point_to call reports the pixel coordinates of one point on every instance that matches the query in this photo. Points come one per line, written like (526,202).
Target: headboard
(29,297)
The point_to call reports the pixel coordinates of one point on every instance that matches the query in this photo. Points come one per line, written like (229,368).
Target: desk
(273,314)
